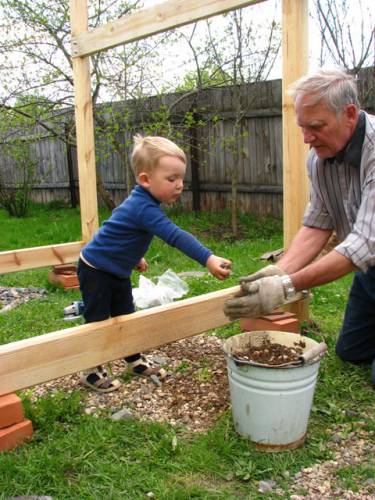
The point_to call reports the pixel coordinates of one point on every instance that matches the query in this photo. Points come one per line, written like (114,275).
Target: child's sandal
(99,381)
(146,367)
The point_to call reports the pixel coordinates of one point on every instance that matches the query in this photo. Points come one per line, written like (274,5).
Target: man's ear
(352,112)
(143,180)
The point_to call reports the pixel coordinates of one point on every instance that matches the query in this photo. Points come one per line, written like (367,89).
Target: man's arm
(263,295)
(329,268)
(297,262)
(305,246)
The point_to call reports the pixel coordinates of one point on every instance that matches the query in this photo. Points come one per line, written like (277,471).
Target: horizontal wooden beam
(162,17)
(32,361)
(30,258)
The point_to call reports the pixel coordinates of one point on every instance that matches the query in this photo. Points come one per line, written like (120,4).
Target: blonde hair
(334,87)
(148,150)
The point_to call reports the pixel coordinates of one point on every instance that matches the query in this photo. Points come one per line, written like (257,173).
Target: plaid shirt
(342,195)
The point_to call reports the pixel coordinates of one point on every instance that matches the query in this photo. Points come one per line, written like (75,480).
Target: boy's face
(166,181)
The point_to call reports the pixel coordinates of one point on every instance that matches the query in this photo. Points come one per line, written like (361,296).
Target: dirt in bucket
(270,353)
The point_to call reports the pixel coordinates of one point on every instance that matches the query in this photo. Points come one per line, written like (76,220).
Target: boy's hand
(142,265)
(219,267)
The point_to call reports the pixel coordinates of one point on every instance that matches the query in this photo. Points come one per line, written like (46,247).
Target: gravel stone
(14,296)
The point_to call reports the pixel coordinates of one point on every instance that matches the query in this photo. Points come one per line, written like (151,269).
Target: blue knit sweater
(124,238)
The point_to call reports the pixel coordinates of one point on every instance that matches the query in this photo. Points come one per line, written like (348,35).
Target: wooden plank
(30,258)
(295,65)
(162,17)
(39,359)
(84,127)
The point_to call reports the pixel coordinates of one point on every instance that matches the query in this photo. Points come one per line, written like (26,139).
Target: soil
(270,353)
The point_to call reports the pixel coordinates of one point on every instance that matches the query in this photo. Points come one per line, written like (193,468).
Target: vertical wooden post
(295,65)
(194,163)
(69,159)
(84,126)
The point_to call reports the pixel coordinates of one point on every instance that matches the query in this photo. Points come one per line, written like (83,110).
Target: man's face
(322,129)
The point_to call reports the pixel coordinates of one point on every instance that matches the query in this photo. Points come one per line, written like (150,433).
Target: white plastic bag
(169,287)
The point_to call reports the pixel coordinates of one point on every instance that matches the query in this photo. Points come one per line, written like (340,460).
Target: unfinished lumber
(35,360)
(84,127)
(295,65)
(30,258)
(165,16)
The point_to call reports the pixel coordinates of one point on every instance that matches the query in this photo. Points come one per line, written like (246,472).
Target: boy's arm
(157,223)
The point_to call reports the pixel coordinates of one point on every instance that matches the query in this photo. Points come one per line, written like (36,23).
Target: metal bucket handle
(314,354)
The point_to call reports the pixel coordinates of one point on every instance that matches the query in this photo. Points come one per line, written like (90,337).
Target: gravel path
(196,393)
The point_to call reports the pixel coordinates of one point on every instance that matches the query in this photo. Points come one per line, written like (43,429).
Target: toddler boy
(119,246)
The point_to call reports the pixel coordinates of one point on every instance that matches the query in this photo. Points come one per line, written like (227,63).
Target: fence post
(69,157)
(194,162)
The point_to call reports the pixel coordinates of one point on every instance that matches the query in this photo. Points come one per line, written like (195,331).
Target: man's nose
(308,136)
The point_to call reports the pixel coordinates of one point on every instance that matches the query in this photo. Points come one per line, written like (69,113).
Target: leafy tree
(18,155)
(239,50)
(35,57)
(209,77)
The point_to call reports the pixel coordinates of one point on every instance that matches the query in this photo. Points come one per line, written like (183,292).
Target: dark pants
(356,342)
(104,295)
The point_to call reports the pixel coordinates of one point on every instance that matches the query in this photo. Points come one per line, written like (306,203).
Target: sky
(272,9)
(178,60)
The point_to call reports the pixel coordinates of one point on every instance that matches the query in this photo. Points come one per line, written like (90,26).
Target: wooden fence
(235,134)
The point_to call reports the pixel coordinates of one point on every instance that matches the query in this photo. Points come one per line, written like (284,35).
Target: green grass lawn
(77,456)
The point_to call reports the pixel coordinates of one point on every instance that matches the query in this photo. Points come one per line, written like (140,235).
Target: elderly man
(341,168)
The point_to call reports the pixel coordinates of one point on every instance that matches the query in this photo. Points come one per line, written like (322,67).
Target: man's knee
(352,353)
(342,351)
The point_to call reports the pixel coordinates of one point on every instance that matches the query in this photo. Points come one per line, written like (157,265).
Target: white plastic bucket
(271,405)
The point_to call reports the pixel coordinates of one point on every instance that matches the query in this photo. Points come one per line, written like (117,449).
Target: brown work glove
(261,297)
(270,270)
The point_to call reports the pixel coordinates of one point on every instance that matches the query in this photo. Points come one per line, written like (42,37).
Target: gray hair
(335,87)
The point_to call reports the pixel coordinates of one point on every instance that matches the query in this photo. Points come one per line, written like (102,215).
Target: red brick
(12,436)
(275,316)
(254,324)
(285,322)
(287,325)
(64,275)
(11,410)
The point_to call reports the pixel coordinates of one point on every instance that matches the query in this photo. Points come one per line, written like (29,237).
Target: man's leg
(356,342)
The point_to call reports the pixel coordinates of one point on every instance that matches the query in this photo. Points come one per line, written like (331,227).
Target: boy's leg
(95,287)
(122,303)
(356,342)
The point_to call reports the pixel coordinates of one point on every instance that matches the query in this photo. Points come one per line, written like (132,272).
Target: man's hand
(259,298)
(270,270)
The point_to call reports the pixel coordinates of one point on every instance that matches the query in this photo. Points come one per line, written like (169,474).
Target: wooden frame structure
(43,358)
